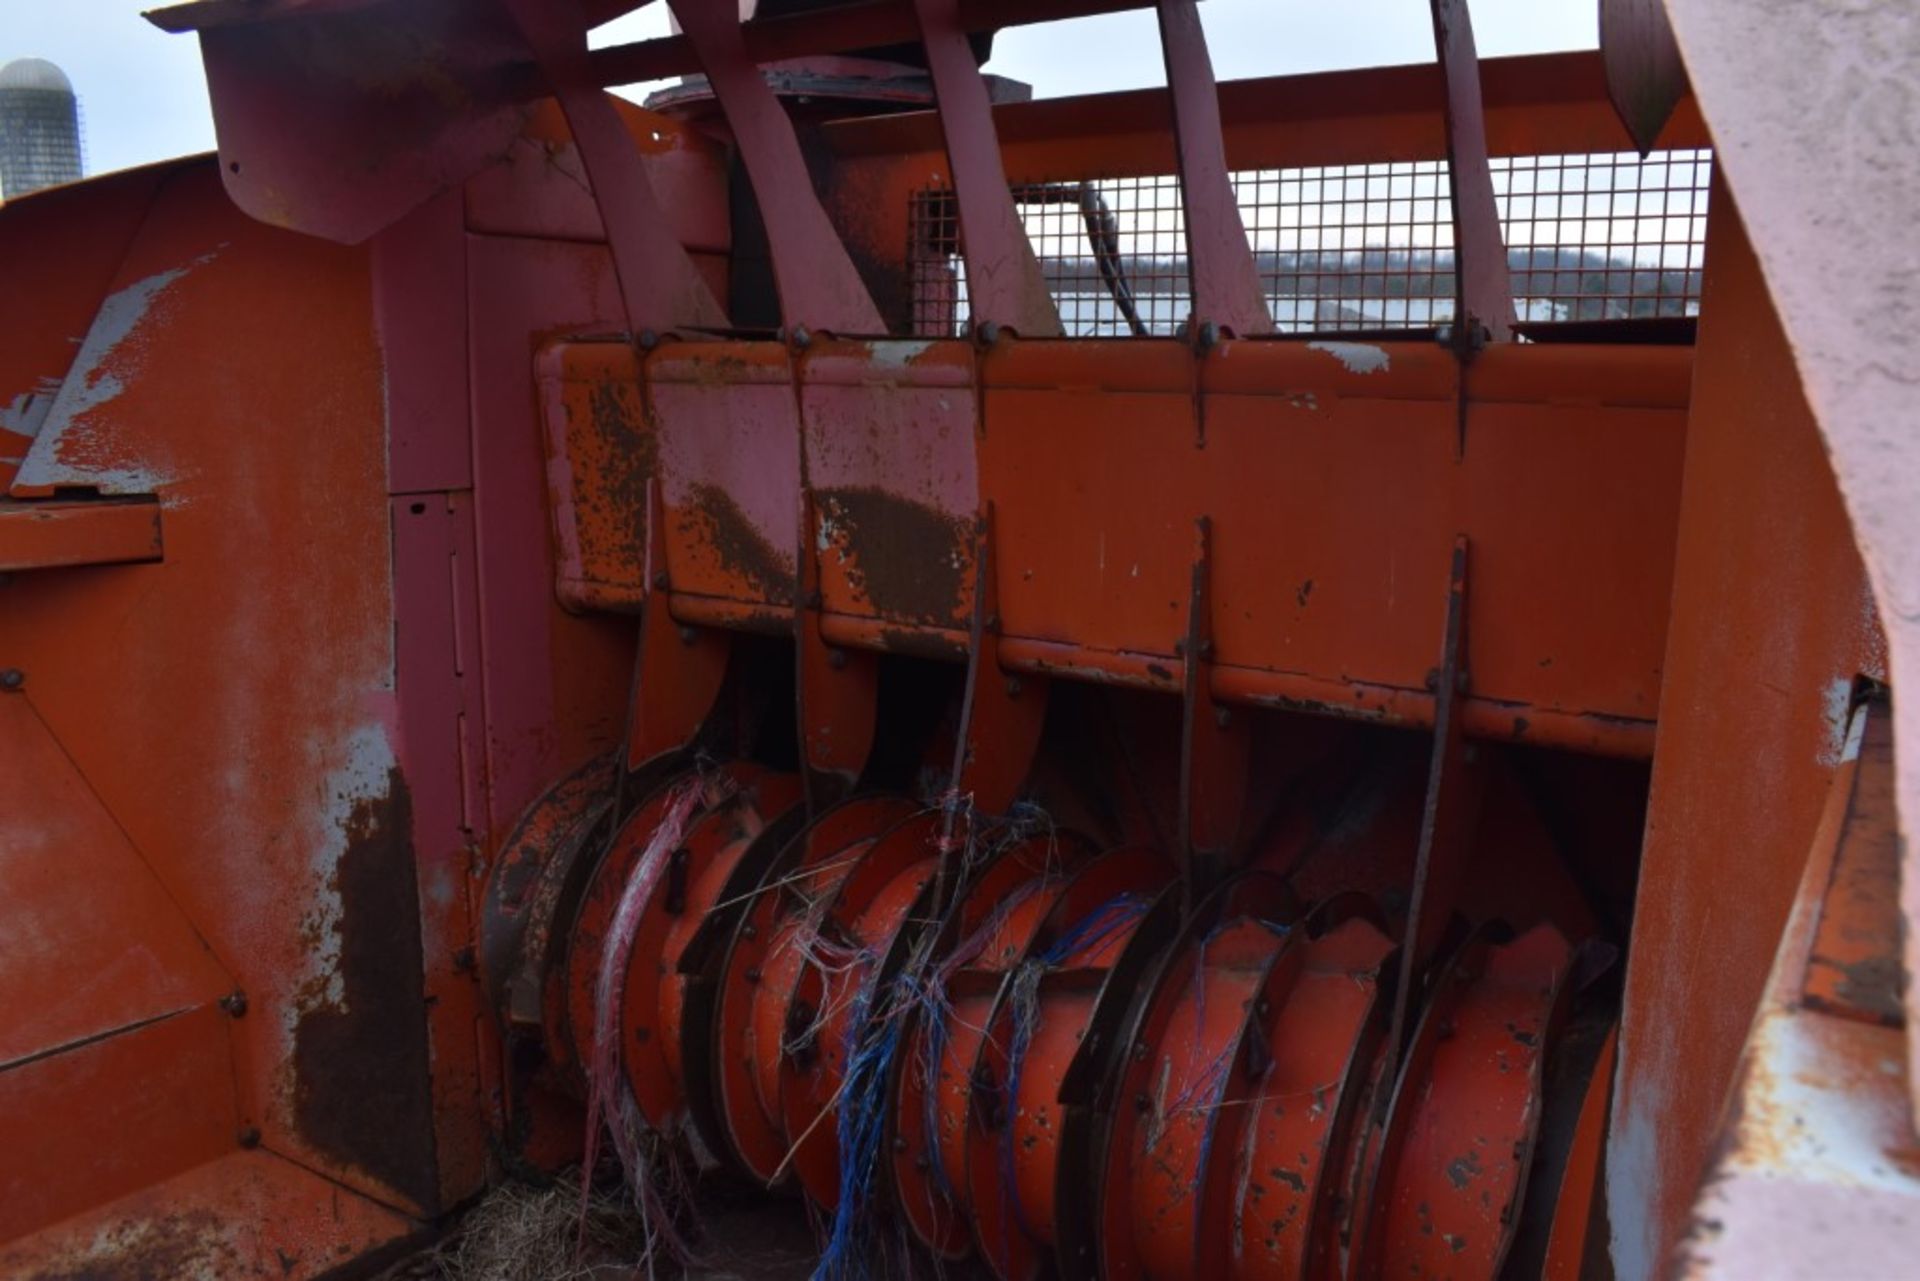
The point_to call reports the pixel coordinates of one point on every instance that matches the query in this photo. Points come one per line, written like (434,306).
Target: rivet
(1013,687)
(648,340)
(249,1136)
(802,338)
(235,1003)
(1223,716)
(989,332)
(836,659)
(688,635)
(12,678)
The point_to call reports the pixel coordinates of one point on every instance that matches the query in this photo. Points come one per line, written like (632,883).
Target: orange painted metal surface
(1571,588)
(56,535)
(339,803)
(1762,523)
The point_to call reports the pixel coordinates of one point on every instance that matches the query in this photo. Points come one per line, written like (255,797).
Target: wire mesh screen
(1353,247)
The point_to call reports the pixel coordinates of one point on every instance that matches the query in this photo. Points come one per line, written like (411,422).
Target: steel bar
(659,285)
(1004,284)
(1225,286)
(820,289)
(1483,289)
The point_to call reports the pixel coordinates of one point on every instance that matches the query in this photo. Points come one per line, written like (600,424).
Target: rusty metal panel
(337,124)
(288,851)
(1853,965)
(729,457)
(158,1096)
(1728,827)
(249,1213)
(554,683)
(442,755)
(420,309)
(79,967)
(1836,153)
(601,458)
(1818,1146)
(890,464)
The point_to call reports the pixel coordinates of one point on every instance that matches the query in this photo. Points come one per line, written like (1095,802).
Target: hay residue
(519,1232)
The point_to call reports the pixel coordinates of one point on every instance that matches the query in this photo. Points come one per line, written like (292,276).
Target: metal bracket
(677,671)
(1214,745)
(1001,714)
(837,690)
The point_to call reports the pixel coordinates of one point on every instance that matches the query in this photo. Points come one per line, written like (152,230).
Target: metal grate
(1589,237)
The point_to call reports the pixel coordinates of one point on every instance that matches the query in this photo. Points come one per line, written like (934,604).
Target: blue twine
(870,1049)
(1090,932)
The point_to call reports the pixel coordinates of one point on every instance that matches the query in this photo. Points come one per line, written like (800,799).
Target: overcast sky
(142,97)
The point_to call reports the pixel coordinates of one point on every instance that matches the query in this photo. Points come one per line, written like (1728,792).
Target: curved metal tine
(1004,282)
(819,286)
(1225,283)
(660,287)
(1483,289)
(1645,77)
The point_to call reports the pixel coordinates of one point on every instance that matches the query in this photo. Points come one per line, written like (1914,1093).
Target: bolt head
(12,678)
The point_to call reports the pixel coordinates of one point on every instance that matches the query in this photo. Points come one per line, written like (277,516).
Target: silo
(39,128)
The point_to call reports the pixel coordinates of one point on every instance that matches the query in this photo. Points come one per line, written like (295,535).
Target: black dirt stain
(1291,1178)
(741,547)
(1462,1169)
(179,1245)
(907,558)
(1305,590)
(361,1087)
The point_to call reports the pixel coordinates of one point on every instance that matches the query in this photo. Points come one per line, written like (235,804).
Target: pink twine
(609,1103)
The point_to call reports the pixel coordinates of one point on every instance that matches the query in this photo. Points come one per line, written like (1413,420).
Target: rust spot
(1462,1169)
(908,559)
(741,547)
(179,1245)
(1291,1178)
(361,1090)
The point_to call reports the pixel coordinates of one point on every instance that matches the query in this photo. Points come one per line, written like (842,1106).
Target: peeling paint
(1358,357)
(26,412)
(895,355)
(361,779)
(1836,702)
(68,450)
